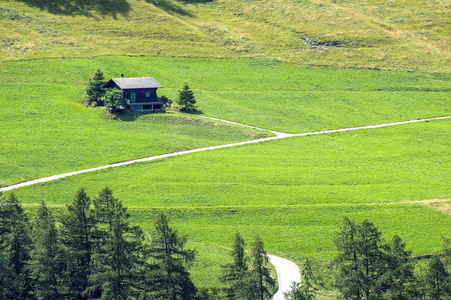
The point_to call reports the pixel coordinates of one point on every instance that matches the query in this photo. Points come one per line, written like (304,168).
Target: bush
(114,100)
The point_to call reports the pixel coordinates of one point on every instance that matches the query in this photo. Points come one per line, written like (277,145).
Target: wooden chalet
(139,93)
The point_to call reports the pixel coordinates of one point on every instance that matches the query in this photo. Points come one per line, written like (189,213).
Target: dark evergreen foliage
(95,90)
(47,257)
(235,274)
(15,246)
(438,280)
(169,262)
(261,281)
(115,254)
(186,98)
(78,237)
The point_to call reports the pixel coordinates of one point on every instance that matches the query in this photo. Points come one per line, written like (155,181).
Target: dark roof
(135,83)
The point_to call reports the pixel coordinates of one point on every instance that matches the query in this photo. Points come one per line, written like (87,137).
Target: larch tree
(438,279)
(261,281)
(236,273)
(169,262)
(348,278)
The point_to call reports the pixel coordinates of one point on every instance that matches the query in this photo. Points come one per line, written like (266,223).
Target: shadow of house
(82,7)
(140,93)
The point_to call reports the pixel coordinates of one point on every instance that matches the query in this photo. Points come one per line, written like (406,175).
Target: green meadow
(46,129)
(293,192)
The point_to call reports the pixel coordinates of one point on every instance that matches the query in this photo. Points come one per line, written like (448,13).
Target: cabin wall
(141,95)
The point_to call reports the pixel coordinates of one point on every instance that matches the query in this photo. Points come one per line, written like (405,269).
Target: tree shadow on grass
(170,7)
(82,7)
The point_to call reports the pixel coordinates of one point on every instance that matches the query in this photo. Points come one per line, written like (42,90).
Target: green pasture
(46,130)
(393,164)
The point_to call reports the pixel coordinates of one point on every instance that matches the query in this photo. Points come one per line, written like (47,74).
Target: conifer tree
(348,279)
(309,280)
(78,236)
(186,98)
(115,257)
(398,281)
(15,246)
(47,257)
(169,276)
(438,279)
(261,281)
(235,274)
(95,90)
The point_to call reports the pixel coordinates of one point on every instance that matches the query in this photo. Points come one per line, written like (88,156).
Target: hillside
(401,35)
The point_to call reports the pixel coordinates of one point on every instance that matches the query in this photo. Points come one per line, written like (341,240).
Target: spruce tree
(15,246)
(95,90)
(169,276)
(78,236)
(115,252)
(47,257)
(261,281)
(186,98)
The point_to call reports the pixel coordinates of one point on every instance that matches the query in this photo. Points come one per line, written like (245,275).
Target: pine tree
(169,263)
(261,281)
(47,257)
(186,98)
(95,90)
(78,236)
(236,274)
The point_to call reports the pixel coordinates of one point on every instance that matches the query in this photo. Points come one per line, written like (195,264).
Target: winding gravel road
(287,273)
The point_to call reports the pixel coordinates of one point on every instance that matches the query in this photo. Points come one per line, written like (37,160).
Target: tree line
(368,268)
(92,251)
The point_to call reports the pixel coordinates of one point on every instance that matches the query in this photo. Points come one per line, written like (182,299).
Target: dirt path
(279,135)
(287,273)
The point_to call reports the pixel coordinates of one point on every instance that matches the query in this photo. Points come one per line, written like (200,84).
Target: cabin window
(132,97)
(147,94)
(157,106)
(136,108)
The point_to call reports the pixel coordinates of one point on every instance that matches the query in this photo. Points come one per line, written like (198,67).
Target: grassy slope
(401,35)
(293,192)
(47,131)
(405,35)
